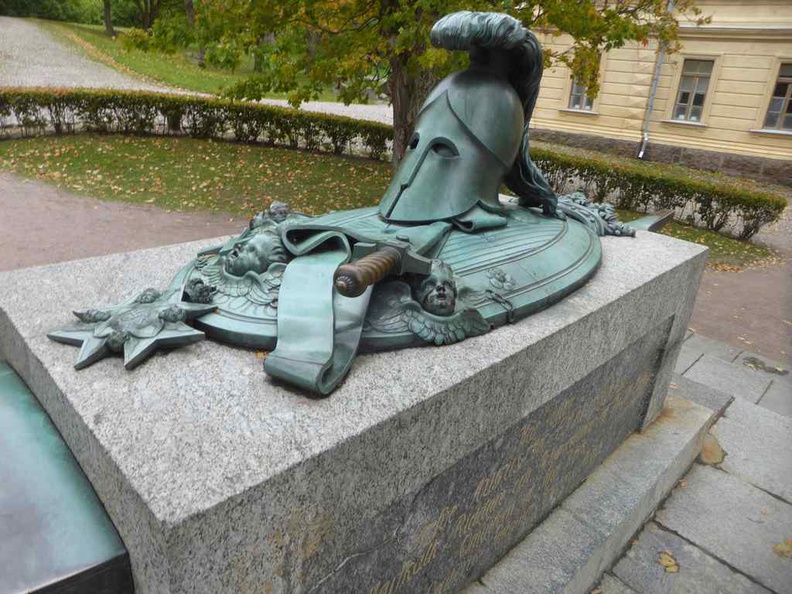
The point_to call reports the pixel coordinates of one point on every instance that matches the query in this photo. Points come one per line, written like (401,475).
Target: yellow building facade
(723,103)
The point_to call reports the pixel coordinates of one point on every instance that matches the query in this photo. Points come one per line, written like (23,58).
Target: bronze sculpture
(442,258)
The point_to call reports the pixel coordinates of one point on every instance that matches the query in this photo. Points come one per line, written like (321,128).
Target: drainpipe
(661,54)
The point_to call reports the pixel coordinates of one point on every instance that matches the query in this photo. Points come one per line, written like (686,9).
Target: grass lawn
(188,174)
(179,70)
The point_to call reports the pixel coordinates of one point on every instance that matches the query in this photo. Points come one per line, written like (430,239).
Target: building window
(578,99)
(779,114)
(692,90)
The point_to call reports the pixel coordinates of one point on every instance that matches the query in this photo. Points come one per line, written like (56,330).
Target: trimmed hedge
(37,111)
(632,186)
(645,187)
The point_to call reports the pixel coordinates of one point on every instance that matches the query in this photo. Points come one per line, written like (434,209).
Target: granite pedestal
(418,474)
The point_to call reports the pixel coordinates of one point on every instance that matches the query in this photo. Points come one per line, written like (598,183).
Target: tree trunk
(108,19)
(407,92)
(148,9)
(189,8)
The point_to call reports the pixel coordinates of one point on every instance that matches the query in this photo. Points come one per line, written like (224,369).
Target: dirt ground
(40,224)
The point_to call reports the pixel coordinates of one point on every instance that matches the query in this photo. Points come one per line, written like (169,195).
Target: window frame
(583,97)
(566,94)
(678,67)
(769,94)
(696,79)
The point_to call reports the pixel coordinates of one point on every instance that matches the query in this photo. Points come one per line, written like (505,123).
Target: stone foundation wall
(759,168)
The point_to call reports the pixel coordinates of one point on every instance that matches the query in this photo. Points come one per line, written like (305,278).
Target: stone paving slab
(702,345)
(758,446)
(734,522)
(763,364)
(729,378)
(569,551)
(778,397)
(713,399)
(612,585)
(687,357)
(698,572)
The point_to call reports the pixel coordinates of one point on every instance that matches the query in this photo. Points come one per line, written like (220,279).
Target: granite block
(699,159)
(548,560)
(734,522)
(777,171)
(697,571)
(713,399)
(758,446)
(778,397)
(220,480)
(743,164)
(583,536)
(729,378)
(714,348)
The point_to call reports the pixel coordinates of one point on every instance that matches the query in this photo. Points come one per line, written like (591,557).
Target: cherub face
(279,211)
(148,296)
(255,254)
(437,293)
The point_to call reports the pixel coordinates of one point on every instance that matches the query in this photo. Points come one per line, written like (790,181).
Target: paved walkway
(377,112)
(31,57)
(41,224)
(727,526)
(750,310)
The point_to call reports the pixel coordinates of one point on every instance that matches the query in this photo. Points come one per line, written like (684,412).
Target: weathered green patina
(442,258)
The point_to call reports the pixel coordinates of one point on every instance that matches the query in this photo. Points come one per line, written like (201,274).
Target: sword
(375,261)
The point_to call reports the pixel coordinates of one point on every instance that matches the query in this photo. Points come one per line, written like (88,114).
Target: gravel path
(31,57)
(379,112)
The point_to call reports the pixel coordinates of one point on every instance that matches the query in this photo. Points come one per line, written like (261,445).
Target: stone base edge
(587,533)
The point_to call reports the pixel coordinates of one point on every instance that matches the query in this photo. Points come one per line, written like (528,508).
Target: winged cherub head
(437,292)
(255,254)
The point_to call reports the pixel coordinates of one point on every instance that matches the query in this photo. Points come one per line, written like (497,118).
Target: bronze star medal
(137,327)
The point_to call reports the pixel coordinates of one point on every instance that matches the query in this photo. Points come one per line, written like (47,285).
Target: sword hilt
(352,280)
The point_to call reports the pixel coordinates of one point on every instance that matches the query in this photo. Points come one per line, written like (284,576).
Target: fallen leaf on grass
(666,559)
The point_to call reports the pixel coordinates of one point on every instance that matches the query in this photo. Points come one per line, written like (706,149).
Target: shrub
(136,39)
(650,186)
(630,185)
